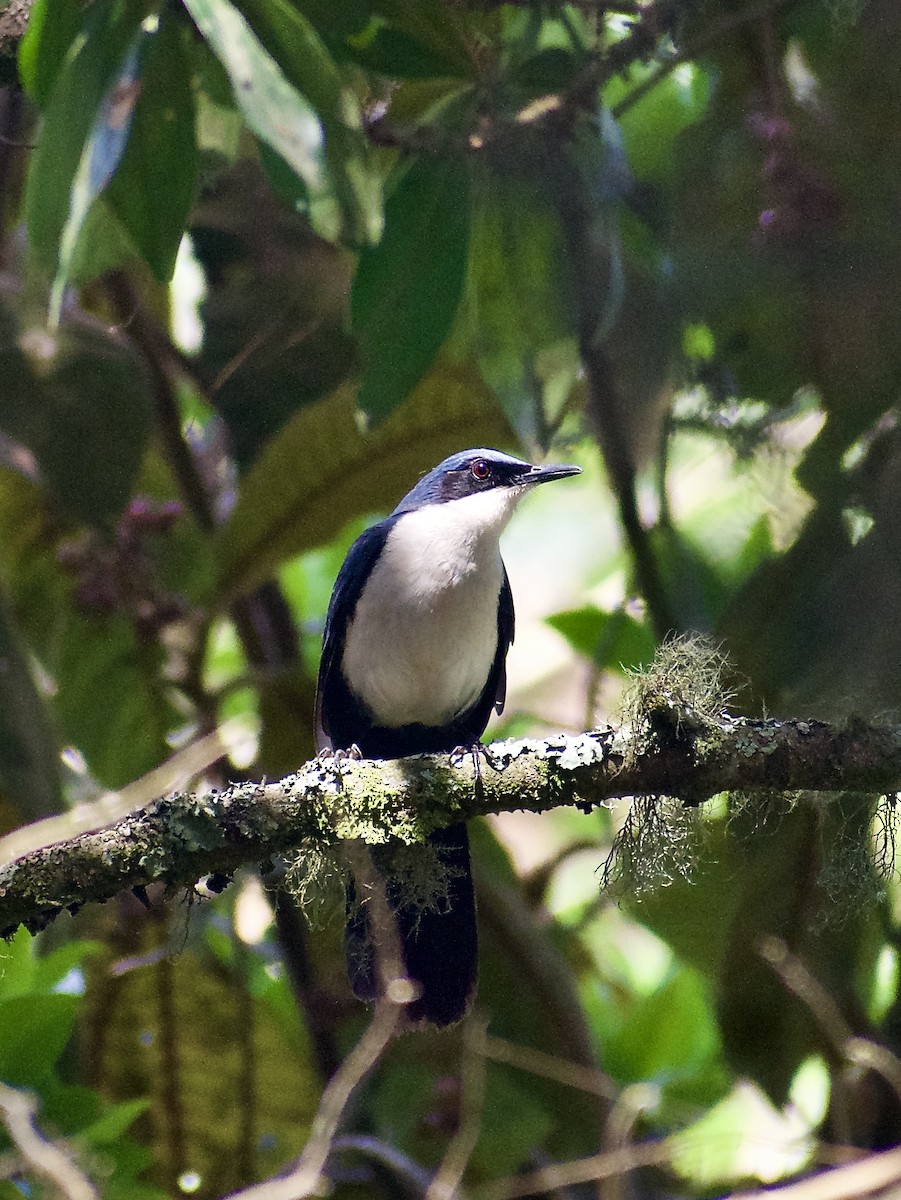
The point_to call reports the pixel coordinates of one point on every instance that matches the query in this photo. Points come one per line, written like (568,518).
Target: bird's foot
(343,754)
(459,753)
(476,750)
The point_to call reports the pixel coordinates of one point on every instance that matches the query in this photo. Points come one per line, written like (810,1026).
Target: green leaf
(272,107)
(522,1119)
(68,397)
(51,29)
(396,54)
(152,190)
(435,25)
(28,560)
(407,288)
(651,126)
(300,53)
(52,969)
(615,640)
(17,964)
(84,132)
(122,730)
(29,753)
(320,471)
(34,1031)
(517,287)
(114,1122)
(670,1033)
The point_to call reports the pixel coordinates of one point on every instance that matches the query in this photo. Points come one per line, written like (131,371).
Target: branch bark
(183,837)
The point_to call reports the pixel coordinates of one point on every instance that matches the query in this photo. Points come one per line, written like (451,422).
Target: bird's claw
(342,754)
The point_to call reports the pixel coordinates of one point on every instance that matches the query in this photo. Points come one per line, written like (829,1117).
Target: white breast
(423,636)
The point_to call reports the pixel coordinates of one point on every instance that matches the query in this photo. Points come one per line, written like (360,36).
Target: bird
(413,662)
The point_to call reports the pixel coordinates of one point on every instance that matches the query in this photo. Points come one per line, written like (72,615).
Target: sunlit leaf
(651,126)
(300,53)
(671,1031)
(615,640)
(272,107)
(85,128)
(33,1033)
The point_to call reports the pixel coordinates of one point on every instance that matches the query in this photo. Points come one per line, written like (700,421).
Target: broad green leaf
(433,24)
(84,131)
(615,640)
(394,53)
(69,396)
(670,1033)
(272,107)
(17,964)
(407,288)
(321,471)
(102,245)
(29,564)
(52,968)
(100,159)
(25,971)
(123,727)
(114,1122)
(522,1119)
(152,189)
(34,1031)
(52,27)
(517,293)
(651,126)
(29,753)
(300,53)
(211,1019)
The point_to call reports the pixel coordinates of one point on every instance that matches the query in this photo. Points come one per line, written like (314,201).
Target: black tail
(439,948)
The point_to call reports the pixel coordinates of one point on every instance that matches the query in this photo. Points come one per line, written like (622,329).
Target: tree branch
(182,837)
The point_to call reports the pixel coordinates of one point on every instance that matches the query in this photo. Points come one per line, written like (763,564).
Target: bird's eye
(480,470)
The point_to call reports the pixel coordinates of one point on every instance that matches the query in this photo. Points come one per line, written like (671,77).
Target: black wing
(353,575)
(506,628)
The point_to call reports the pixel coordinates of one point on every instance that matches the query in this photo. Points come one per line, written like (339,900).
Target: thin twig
(618,1131)
(845,1046)
(549,1066)
(582,1170)
(44,1157)
(876,1173)
(446,1184)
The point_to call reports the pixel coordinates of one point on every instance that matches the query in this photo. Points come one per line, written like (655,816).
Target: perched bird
(413,662)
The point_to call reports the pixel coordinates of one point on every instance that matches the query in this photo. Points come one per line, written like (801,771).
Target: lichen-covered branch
(679,753)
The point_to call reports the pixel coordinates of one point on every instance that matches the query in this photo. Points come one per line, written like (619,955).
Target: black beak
(549,472)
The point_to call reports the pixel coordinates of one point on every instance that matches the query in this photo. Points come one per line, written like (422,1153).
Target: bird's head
(500,478)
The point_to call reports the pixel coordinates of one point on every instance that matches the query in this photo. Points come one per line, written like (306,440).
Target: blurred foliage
(264,262)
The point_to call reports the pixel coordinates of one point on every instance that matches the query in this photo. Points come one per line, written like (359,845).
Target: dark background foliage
(264,262)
